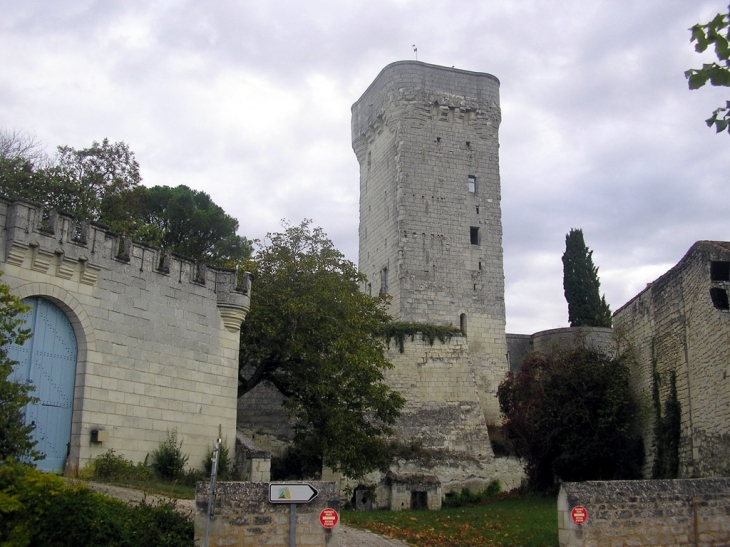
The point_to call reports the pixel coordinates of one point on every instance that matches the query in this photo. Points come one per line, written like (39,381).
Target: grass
(506,521)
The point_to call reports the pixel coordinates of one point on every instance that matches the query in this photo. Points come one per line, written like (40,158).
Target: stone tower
(426,139)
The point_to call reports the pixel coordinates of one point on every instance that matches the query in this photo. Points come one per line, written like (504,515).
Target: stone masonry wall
(426,138)
(443,409)
(674,324)
(242,515)
(646,513)
(157,338)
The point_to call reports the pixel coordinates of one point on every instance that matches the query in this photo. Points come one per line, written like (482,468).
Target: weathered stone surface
(646,513)
(426,138)
(674,323)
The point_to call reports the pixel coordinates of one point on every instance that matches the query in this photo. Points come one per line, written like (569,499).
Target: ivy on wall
(667,426)
(399,331)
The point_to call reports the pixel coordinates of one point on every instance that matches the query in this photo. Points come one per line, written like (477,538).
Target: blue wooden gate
(48,361)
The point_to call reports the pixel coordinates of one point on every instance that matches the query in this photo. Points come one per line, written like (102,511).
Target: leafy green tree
(317,338)
(188,222)
(572,416)
(581,285)
(716,33)
(76,181)
(15,436)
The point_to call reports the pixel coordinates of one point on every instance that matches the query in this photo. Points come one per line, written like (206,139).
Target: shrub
(225,465)
(467,497)
(114,467)
(40,509)
(169,460)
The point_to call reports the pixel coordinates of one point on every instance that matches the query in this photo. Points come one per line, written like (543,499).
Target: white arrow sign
(291,492)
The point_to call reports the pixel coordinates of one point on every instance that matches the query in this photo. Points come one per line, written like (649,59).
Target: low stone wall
(646,513)
(242,515)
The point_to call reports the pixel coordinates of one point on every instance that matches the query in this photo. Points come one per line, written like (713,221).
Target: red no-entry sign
(328,518)
(579,514)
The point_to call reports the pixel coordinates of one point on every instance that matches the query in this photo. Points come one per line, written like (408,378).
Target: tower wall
(426,138)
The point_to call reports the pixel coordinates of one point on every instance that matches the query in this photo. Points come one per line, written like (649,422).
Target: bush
(169,460)
(467,497)
(225,465)
(40,509)
(114,467)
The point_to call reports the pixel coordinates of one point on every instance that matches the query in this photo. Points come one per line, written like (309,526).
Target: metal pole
(292,525)
(213,472)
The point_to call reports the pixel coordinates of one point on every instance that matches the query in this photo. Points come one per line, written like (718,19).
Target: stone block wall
(157,336)
(426,139)
(443,409)
(646,513)
(242,515)
(674,325)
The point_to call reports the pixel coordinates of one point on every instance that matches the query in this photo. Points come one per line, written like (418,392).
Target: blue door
(48,361)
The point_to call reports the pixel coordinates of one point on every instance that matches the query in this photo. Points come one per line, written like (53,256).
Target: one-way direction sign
(291,492)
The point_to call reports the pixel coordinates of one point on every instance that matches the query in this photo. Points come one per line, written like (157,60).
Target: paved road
(350,537)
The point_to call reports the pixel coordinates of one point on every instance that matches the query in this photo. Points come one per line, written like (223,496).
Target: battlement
(48,241)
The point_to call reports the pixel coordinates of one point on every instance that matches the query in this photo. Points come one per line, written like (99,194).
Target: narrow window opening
(719,298)
(462,323)
(474,235)
(468,144)
(719,270)
(472,183)
(477,209)
(370,289)
(384,280)
(480,265)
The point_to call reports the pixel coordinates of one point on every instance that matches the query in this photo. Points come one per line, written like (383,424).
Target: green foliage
(168,459)
(572,417)
(586,308)
(466,497)
(15,436)
(115,468)
(40,509)
(182,221)
(667,429)
(101,183)
(317,338)
(225,464)
(398,331)
(296,464)
(716,33)
(76,182)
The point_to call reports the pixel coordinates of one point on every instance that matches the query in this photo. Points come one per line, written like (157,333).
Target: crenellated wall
(157,335)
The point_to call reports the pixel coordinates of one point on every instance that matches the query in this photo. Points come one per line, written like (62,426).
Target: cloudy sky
(250,101)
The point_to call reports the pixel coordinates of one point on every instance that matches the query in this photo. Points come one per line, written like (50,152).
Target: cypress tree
(586,308)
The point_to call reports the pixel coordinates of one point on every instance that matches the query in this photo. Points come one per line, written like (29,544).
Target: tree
(572,416)
(580,283)
(15,436)
(716,33)
(317,338)
(188,222)
(75,182)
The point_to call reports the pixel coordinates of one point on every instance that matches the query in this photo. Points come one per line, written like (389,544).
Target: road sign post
(292,493)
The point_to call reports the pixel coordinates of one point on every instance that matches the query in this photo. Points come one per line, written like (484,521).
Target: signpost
(579,514)
(329,518)
(292,493)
